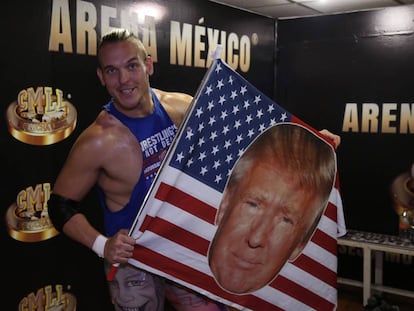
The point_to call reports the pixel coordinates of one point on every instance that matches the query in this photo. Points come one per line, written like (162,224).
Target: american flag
(175,224)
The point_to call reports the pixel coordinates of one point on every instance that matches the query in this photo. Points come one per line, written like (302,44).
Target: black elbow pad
(61,209)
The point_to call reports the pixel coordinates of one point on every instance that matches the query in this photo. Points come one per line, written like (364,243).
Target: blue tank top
(155,134)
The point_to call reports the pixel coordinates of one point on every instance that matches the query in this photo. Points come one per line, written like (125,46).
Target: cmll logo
(28,218)
(46,299)
(39,117)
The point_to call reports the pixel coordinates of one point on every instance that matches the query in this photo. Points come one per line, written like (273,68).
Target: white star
(209,90)
(237,124)
(189,162)
(180,156)
(231,80)
(243,90)
(203,170)
(273,121)
(235,110)
(223,115)
(213,135)
(200,126)
(259,113)
(225,129)
(233,95)
(229,158)
(283,117)
(212,120)
(240,153)
(199,112)
(270,108)
(218,179)
(202,156)
(189,134)
(262,127)
(220,84)
(257,99)
(249,119)
(201,141)
(215,150)
(251,133)
(191,149)
(218,68)
(246,104)
(222,100)
(216,164)
(210,105)
(227,144)
(239,138)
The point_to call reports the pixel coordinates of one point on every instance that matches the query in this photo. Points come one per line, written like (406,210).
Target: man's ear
(150,65)
(100,75)
(297,251)
(223,206)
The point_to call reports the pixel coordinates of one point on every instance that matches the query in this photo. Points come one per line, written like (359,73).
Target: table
(377,244)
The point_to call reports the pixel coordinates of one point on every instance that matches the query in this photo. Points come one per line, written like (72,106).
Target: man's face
(261,225)
(124,73)
(135,290)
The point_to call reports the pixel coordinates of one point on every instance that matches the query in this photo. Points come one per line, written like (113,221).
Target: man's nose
(259,233)
(123,76)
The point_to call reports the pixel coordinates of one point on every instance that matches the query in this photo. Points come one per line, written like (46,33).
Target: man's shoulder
(173,98)
(103,130)
(175,103)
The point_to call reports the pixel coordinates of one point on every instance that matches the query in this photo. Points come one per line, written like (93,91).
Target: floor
(350,299)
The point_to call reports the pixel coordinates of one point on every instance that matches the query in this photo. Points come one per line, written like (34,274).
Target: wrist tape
(99,245)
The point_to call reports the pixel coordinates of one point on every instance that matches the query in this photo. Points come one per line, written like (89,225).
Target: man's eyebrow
(131,60)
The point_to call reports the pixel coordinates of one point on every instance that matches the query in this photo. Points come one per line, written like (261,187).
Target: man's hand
(335,138)
(119,248)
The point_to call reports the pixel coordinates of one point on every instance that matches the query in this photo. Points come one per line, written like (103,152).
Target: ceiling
(297,8)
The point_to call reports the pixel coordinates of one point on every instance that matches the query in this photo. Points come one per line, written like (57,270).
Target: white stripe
(187,221)
(191,186)
(281,299)
(321,255)
(308,281)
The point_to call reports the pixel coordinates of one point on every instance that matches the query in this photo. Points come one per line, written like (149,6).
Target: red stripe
(177,234)
(197,278)
(331,212)
(316,269)
(325,241)
(186,202)
(302,294)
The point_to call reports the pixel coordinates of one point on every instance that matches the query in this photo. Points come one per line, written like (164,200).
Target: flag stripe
(312,300)
(316,269)
(186,202)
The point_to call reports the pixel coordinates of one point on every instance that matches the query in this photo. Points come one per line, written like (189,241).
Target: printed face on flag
(272,203)
(193,202)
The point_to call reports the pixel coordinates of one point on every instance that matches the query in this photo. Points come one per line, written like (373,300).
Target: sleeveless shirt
(155,133)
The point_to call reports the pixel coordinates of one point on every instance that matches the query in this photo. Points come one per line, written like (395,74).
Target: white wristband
(99,245)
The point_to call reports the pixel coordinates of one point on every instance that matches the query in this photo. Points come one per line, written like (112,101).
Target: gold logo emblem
(28,219)
(41,117)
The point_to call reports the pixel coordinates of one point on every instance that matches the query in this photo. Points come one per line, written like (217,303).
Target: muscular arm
(99,156)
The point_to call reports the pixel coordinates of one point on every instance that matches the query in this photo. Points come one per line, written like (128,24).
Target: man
(120,151)
(272,203)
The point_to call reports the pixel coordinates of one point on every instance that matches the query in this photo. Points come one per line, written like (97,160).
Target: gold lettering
(180,44)
(85,27)
(60,33)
